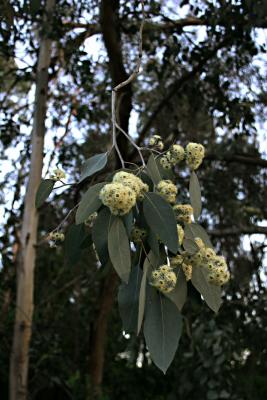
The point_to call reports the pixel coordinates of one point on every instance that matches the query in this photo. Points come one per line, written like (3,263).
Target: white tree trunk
(19,360)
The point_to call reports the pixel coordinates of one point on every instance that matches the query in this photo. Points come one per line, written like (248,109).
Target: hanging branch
(131,78)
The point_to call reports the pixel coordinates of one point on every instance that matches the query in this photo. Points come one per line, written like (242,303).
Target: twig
(121,85)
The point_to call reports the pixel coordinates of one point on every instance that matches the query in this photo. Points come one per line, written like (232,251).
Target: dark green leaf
(93,165)
(190,246)
(162,328)
(195,230)
(160,217)
(73,243)
(153,170)
(100,234)
(146,179)
(210,293)
(153,242)
(128,299)
(119,249)
(142,294)
(128,222)
(195,195)
(90,203)
(44,190)
(179,294)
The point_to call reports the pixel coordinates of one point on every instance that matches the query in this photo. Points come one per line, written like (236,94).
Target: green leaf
(195,195)
(179,294)
(128,299)
(142,294)
(73,243)
(44,190)
(162,328)
(153,170)
(128,222)
(190,246)
(100,234)
(195,230)
(93,165)
(90,203)
(119,249)
(210,293)
(153,242)
(160,217)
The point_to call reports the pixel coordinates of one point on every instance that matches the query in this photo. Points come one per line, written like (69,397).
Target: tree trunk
(19,360)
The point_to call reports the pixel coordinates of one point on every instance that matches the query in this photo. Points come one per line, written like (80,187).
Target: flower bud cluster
(156,142)
(195,153)
(183,213)
(133,182)
(184,263)
(138,234)
(218,273)
(172,157)
(56,236)
(180,233)
(168,190)
(121,195)
(90,220)
(57,175)
(164,279)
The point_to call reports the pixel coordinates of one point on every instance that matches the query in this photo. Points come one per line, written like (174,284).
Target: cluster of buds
(164,279)
(184,263)
(175,155)
(57,175)
(133,182)
(216,266)
(156,142)
(183,213)
(138,234)
(55,238)
(121,195)
(168,190)
(194,155)
(91,219)
(180,233)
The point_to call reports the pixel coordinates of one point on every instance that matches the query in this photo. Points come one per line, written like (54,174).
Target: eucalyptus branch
(131,78)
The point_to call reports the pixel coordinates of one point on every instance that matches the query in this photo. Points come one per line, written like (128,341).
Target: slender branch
(239,158)
(245,230)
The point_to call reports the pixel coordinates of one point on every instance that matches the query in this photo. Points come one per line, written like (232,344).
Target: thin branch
(245,230)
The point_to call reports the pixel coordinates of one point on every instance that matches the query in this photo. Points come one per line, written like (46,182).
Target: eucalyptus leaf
(190,246)
(162,328)
(160,217)
(195,195)
(73,244)
(100,234)
(179,294)
(119,249)
(93,165)
(153,242)
(153,170)
(211,293)
(128,300)
(43,191)
(195,230)
(128,222)
(90,203)
(142,294)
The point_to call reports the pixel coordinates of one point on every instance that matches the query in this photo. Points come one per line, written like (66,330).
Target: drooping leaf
(73,244)
(179,294)
(195,195)
(162,328)
(160,217)
(90,203)
(153,170)
(190,246)
(100,234)
(44,190)
(146,179)
(210,292)
(128,222)
(142,294)
(119,249)
(153,242)
(128,299)
(195,230)
(93,165)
